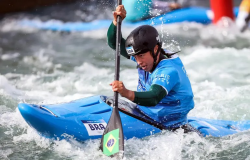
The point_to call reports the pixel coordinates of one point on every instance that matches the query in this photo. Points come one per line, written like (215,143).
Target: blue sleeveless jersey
(170,73)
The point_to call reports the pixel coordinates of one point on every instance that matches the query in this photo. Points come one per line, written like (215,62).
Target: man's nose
(139,61)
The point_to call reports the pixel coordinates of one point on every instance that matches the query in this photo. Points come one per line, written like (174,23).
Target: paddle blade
(112,142)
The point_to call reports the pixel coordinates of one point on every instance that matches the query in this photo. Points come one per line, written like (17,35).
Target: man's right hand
(118,86)
(120,11)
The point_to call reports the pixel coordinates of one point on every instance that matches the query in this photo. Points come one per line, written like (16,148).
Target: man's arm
(151,97)
(111,36)
(148,98)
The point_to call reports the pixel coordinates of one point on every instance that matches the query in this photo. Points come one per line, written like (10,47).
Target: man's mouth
(144,67)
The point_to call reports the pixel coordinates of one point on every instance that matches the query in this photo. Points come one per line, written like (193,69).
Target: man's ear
(156,48)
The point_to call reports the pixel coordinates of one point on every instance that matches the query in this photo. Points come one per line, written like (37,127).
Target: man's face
(145,61)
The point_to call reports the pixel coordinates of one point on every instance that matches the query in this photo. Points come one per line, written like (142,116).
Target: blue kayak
(191,14)
(87,118)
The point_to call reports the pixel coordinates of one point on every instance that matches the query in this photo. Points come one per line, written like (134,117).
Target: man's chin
(146,70)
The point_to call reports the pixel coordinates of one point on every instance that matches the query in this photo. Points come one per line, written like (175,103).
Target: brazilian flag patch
(111,142)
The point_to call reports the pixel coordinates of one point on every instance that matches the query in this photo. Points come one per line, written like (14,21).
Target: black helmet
(141,40)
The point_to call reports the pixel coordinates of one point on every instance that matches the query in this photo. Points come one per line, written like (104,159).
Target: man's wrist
(114,22)
(130,95)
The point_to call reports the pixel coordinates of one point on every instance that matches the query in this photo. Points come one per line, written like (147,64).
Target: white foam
(10,119)
(9,56)
(10,25)
(6,88)
(5,153)
(39,60)
(218,82)
(218,64)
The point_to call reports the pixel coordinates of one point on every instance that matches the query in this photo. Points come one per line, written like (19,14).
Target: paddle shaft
(118,53)
(150,122)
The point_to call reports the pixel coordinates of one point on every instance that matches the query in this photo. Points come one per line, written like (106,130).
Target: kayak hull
(87,118)
(83,119)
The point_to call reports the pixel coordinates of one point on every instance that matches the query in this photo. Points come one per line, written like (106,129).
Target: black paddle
(112,142)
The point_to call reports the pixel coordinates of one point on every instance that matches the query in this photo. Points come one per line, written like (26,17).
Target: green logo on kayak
(111,142)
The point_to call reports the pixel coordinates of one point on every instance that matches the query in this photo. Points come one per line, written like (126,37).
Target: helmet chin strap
(155,55)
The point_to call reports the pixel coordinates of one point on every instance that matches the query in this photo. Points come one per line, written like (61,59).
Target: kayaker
(243,17)
(164,91)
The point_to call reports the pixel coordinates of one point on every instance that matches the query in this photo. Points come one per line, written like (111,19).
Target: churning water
(50,67)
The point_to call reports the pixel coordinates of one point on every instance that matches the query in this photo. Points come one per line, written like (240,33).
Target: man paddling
(164,91)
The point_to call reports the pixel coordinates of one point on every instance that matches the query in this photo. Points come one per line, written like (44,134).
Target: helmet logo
(130,50)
